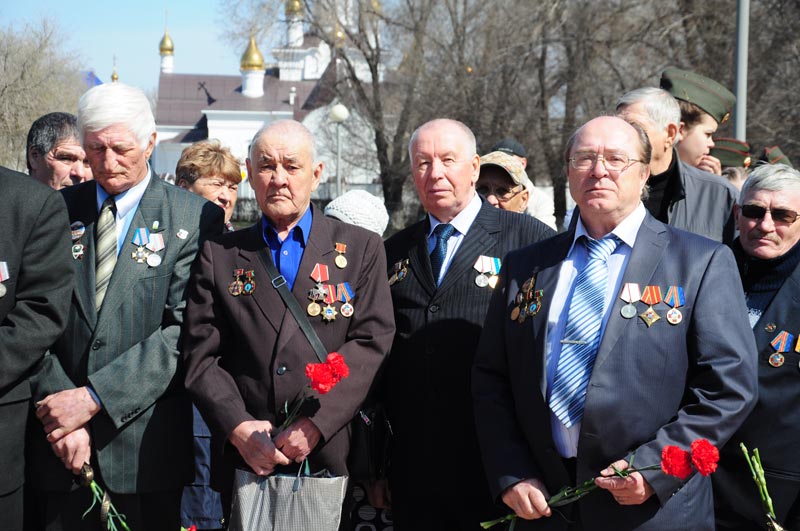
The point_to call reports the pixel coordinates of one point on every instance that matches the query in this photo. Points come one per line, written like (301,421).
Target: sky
(99,30)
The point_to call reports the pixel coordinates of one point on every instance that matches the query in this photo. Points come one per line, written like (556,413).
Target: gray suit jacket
(141,440)
(34,244)
(650,387)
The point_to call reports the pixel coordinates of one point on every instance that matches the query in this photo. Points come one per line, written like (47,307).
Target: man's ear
(673,135)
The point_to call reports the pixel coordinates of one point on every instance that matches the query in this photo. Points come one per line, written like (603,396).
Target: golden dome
(114,76)
(166,47)
(252,58)
(294,7)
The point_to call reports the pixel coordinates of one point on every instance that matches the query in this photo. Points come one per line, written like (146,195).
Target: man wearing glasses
(502,182)
(768,256)
(612,340)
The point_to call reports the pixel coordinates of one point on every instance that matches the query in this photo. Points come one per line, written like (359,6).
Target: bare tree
(36,77)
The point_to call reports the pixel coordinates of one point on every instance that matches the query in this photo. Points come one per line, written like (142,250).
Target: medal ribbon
(141,236)
(630,293)
(330,294)
(651,295)
(481,264)
(237,273)
(675,297)
(4,271)
(341,248)
(343,292)
(495,266)
(156,242)
(782,341)
(320,273)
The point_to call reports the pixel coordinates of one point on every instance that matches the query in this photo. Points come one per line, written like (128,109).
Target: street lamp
(339,114)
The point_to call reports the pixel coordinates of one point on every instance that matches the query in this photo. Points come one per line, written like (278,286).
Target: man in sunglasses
(768,256)
(502,182)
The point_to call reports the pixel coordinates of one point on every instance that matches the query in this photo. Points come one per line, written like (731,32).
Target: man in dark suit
(245,352)
(443,272)
(768,256)
(36,281)
(110,390)
(612,340)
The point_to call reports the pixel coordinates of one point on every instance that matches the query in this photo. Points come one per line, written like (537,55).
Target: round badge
(153,260)
(482,280)
(347,309)
(235,288)
(628,311)
(770,327)
(340,261)
(777,359)
(515,313)
(77,229)
(3,290)
(314,309)
(493,281)
(674,316)
(249,287)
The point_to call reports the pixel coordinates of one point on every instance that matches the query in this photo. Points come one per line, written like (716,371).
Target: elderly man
(603,343)
(210,170)
(502,182)
(443,271)
(768,255)
(54,153)
(244,350)
(110,392)
(36,281)
(679,194)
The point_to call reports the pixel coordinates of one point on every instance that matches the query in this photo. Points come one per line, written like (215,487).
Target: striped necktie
(443,231)
(582,333)
(105,249)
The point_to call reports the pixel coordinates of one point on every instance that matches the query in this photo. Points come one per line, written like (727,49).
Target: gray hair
(116,103)
(645,148)
(472,144)
(660,106)
(49,130)
(772,178)
(290,127)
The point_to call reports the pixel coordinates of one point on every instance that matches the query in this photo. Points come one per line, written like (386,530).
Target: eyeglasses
(616,162)
(502,193)
(781,215)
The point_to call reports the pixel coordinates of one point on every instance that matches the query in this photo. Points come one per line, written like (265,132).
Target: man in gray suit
(110,391)
(611,340)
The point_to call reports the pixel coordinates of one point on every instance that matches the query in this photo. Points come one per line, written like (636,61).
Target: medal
(3,277)
(3,290)
(486,266)
(141,236)
(249,283)
(344,293)
(340,260)
(528,302)
(777,359)
(153,260)
(782,342)
(393,279)
(515,313)
(314,309)
(140,255)
(482,280)
(347,310)
(399,272)
(630,294)
(329,313)
(651,296)
(235,287)
(493,281)
(77,251)
(77,229)
(675,299)
(155,242)
(320,273)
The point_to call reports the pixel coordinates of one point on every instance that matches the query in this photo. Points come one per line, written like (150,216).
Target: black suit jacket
(246,355)
(128,352)
(774,425)
(426,386)
(650,387)
(34,244)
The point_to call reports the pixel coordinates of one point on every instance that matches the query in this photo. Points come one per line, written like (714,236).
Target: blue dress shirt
(288,253)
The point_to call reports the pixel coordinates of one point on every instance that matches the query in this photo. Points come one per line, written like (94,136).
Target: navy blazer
(650,386)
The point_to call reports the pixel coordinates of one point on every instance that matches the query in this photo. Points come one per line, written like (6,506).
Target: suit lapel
(84,268)
(648,251)
(265,296)
(787,297)
(478,240)
(419,260)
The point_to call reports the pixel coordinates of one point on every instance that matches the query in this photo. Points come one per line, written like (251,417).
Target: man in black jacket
(443,271)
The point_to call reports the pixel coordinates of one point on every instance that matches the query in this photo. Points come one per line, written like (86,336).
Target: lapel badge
(399,272)
(651,296)
(156,226)
(771,327)
(487,267)
(3,277)
(77,230)
(340,260)
(182,234)
(77,251)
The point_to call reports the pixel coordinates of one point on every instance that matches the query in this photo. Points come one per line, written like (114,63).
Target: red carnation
(704,456)
(676,462)
(322,377)
(193,528)
(336,362)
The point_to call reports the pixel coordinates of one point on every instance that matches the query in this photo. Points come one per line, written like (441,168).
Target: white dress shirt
(462,222)
(126,203)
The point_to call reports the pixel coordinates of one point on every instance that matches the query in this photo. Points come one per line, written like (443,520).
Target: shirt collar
(463,221)
(304,225)
(127,200)
(626,231)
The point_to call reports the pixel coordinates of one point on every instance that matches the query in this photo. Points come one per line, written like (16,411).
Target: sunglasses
(778,214)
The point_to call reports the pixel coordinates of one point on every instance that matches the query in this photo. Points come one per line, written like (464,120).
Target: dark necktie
(582,333)
(443,231)
(105,249)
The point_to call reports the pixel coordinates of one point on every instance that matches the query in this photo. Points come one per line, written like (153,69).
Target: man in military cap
(705,105)
(679,194)
(768,256)
(734,156)
(774,155)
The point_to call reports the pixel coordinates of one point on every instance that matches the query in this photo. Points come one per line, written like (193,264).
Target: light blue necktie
(582,333)
(443,231)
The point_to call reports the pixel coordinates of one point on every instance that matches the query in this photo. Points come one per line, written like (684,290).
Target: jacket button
(280,371)
(433,308)
(97,344)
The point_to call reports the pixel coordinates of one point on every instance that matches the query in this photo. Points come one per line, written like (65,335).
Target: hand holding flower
(631,489)
(251,438)
(298,439)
